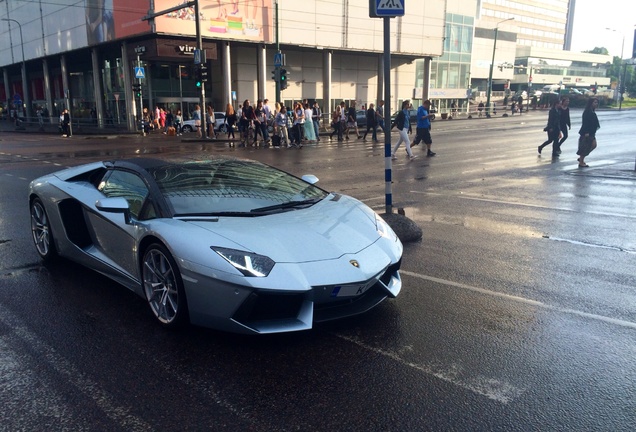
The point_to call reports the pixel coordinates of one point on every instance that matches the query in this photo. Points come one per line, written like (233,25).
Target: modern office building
(86,55)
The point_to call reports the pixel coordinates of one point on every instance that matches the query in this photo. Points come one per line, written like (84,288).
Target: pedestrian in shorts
(423,129)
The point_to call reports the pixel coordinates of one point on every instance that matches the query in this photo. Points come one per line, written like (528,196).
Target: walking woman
(299,121)
(178,122)
(589,126)
(308,126)
(230,120)
(403,122)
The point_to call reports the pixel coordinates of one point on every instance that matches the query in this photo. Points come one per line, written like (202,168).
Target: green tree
(598,50)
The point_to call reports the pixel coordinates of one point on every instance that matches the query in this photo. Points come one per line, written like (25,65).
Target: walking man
(553,128)
(371,123)
(380,115)
(564,118)
(423,129)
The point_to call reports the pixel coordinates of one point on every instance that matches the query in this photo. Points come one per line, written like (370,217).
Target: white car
(225,243)
(219,124)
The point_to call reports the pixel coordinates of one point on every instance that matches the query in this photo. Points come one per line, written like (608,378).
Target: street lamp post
(492,64)
(25,84)
(617,93)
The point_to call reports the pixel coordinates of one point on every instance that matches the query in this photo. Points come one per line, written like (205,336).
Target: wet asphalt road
(518,310)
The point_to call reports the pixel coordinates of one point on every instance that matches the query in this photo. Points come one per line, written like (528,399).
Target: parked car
(226,243)
(219,123)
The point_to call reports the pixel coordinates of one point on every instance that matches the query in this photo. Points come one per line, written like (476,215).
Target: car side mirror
(114,205)
(310,178)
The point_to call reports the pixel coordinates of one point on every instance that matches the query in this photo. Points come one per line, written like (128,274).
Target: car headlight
(384,229)
(249,264)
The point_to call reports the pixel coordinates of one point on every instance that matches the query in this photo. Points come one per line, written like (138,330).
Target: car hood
(335,226)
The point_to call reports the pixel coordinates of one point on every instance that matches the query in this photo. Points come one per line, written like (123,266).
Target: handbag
(586,145)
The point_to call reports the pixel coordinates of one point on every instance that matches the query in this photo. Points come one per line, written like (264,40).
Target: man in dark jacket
(564,118)
(371,123)
(553,128)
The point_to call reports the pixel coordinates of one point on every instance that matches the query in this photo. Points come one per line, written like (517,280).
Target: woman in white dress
(308,126)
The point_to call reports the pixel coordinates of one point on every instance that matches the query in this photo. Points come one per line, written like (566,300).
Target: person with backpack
(403,123)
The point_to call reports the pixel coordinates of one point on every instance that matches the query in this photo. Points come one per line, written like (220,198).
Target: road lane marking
(523,300)
(539,206)
(491,388)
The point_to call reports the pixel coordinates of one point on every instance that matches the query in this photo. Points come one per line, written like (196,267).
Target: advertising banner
(249,20)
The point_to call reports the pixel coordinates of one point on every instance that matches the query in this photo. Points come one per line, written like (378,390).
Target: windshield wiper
(214,214)
(287,205)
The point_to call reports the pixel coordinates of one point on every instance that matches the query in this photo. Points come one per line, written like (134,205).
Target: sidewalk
(109,131)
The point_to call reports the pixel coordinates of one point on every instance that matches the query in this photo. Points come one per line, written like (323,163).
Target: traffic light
(137,89)
(283,79)
(197,77)
(276,75)
(203,71)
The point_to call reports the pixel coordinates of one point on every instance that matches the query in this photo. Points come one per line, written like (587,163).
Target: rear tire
(163,286)
(41,231)
(187,129)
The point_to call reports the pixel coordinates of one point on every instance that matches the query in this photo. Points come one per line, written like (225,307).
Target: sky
(592,17)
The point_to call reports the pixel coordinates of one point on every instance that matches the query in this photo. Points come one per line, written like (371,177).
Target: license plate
(349,290)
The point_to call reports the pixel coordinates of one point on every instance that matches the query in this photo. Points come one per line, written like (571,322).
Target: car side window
(126,185)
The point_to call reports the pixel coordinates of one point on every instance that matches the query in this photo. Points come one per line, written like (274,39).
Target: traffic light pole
(277,71)
(200,48)
(141,102)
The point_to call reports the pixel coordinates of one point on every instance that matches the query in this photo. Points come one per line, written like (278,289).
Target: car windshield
(232,187)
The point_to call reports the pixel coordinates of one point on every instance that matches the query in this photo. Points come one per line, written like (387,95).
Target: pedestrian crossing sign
(386,8)
(140,73)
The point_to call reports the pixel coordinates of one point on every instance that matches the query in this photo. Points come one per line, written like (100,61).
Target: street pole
(180,92)
(278,99)
(141,101)
(617,95)
(492,64)
(387,116)
(25,84)
(204,131)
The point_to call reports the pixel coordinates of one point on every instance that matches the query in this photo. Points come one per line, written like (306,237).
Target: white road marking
(491,388)
(605,319)
(496,201)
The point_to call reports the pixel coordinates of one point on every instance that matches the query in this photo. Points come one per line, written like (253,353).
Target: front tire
(41,231)
(163,286)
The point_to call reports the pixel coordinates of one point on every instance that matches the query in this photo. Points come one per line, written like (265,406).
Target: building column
(97,87)
(7,87)
(226,69)
(327,58)
(131,108)
(380,84)
(66,90)
(261,72)
(47,90)
(25,89)
(151,104)
(427,77)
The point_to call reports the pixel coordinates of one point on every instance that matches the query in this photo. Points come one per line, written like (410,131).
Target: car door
(113,237)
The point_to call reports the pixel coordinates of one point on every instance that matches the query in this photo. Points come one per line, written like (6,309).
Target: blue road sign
(139,72)
(388,8)
(197,56)
(278,60)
